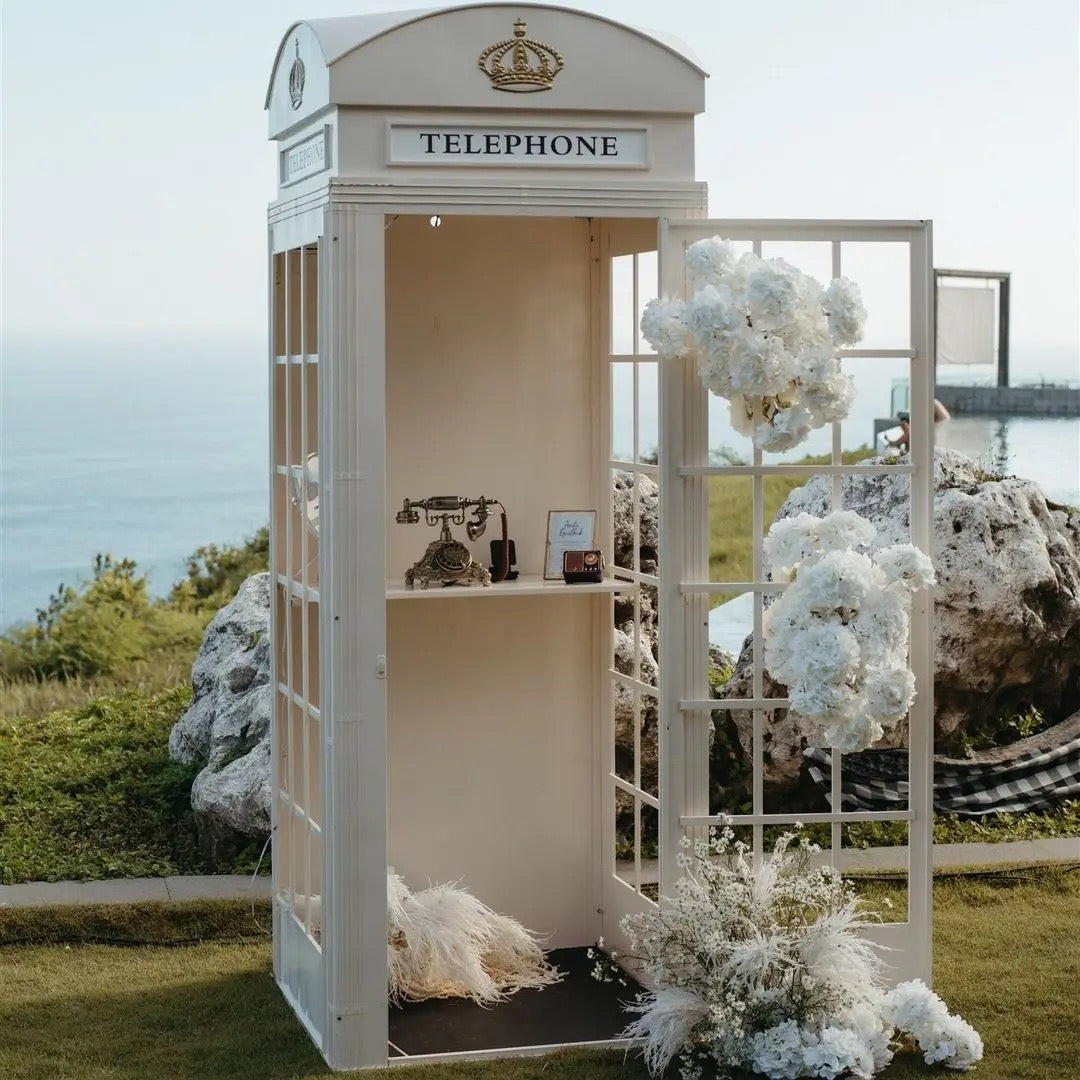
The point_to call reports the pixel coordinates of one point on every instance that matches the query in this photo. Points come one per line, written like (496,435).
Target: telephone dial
(447,561)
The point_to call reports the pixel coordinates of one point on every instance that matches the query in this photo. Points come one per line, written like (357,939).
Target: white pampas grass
(443,942)
(668,1016)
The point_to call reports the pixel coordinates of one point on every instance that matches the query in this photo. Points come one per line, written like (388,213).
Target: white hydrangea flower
(847,316)
(773,295)
(761,329)
(913,1008)
(663,326)
(837,637)
(709,260)
(788,428)
(907,565)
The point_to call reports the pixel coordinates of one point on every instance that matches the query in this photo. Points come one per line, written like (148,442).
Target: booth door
(711,477)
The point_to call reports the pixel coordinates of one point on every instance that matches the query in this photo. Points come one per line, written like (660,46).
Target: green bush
(215,573)
(108,624)
(109,634)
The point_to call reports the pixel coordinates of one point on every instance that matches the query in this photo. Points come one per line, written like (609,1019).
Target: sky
(136,168)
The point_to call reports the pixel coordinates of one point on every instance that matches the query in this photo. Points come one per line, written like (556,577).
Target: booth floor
(577,1009)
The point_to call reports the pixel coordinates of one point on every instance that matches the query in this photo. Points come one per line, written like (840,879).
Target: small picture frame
(567,530)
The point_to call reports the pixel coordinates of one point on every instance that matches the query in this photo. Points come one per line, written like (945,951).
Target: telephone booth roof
(428,59)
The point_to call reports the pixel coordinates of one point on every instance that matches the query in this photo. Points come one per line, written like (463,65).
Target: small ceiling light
(436,221)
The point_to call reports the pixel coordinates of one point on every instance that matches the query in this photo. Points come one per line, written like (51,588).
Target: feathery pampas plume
(442,942)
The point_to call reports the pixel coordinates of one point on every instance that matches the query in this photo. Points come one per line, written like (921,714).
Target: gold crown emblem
(521,64)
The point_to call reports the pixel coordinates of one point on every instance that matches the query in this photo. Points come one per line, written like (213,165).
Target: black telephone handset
(503,554)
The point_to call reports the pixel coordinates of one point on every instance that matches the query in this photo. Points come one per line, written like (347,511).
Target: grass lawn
(92,793)
(1007,957)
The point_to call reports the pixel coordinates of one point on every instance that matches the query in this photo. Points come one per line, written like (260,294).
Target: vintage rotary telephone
(447,560)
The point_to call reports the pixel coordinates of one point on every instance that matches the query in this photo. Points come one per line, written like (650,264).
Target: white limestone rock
(227,727)
(1007,602)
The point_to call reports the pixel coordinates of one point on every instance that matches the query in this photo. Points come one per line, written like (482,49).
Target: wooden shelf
(297,590)
(525,585)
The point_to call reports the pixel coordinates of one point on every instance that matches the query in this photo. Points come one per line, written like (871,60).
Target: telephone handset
(447,560)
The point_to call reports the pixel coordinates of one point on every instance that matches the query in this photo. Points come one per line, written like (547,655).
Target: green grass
(1062,821)
(1007,957)
(92,793)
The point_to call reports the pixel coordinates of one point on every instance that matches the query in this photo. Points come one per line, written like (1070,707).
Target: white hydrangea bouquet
(765,337)
(837,637)
(759,967)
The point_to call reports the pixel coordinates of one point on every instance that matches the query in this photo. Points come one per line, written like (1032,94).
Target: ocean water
(151,448)
(145,449)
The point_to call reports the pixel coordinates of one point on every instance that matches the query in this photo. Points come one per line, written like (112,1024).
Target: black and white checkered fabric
(1035,774)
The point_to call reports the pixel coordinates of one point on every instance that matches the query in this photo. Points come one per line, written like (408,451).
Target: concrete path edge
(244,887)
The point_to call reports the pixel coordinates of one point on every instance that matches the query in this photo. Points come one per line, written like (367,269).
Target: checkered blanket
(1034,774)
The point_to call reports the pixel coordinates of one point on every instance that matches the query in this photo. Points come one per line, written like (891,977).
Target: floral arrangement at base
(765,337)
(759,968)
(837,637)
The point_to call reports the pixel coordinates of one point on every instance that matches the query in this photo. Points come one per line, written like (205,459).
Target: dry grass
(31,698)
(1007,958)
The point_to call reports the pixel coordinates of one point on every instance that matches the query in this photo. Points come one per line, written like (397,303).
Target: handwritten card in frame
(568,530)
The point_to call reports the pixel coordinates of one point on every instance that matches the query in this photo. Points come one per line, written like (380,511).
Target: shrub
(104,626)
(215,573)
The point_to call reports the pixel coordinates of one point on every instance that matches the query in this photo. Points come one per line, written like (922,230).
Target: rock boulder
(227,727)
(1006,606)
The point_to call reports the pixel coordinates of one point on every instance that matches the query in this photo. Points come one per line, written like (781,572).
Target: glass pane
(729,764)
(626,710)
(649,781)
(648,448)
(731,517)
(648,280)
(314,761)
(726,445)
(882,272)
(281,763)
(623,329)
(279,304)
(313,654)
(813,257)
(623,496)
(875,860)
(625,835)
(649,882)
(294,303)
(622,411)
(299,777)
(311,299)
(873,411)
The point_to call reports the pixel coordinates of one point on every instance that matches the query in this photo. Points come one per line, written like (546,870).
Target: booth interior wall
(491,755)
(492,700)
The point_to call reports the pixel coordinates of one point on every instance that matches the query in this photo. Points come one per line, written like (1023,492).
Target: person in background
(903,443)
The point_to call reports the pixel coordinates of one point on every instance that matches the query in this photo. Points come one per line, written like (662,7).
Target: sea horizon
(148,447)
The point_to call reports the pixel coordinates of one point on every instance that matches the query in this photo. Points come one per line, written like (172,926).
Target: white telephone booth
(474,205)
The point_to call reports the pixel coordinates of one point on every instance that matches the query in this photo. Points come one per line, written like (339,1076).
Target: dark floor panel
(578,1009)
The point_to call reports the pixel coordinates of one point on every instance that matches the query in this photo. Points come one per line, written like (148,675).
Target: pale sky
(136,168)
